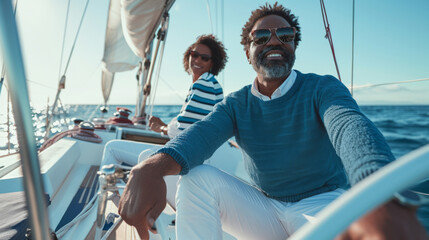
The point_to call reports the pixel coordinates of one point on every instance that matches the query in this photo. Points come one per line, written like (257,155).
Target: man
(300,135)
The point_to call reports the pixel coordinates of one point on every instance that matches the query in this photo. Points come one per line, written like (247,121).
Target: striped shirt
(203,95)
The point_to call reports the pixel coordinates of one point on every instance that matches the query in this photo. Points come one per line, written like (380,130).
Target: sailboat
(79,200)
(66,176)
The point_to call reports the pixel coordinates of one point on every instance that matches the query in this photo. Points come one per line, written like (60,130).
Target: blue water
(405,127)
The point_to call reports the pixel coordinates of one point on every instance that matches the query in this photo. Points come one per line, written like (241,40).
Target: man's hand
(155,124)
(389,221)
(144,197)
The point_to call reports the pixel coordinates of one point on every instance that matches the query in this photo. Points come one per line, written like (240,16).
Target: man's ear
(247,55)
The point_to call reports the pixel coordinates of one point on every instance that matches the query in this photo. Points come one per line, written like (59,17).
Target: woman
(203,60)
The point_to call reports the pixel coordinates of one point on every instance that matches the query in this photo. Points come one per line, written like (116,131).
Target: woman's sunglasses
(262,36)
(204,57)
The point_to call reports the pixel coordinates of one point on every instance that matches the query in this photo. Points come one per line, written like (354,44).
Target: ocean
(405,127)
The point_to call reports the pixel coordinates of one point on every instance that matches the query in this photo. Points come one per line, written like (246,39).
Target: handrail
(367,194)
(33,185)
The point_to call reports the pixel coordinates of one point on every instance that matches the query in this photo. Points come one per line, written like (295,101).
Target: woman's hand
(156,125)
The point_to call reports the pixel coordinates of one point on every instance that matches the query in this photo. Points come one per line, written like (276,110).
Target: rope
(85,211)
(328,35)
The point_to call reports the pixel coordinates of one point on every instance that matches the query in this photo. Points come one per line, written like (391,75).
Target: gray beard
(273,69)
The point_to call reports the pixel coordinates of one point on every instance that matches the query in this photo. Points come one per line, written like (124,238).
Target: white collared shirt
(280,91)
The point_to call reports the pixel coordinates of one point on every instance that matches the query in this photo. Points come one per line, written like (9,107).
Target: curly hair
(218,57)
(266,10)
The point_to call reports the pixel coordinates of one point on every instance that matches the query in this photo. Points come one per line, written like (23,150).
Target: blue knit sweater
(294,146)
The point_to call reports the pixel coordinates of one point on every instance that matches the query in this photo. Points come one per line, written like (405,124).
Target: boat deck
(85,193)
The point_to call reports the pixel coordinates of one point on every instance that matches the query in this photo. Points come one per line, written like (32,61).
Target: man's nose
(274,40)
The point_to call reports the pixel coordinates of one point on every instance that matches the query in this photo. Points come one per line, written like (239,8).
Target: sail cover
(118,56)
(140,19)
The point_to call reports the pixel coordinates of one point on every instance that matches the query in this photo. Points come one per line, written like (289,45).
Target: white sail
(118,56)
(140,20)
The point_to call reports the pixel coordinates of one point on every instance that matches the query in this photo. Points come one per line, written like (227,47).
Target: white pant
(209,200)
(128,152)
(131,153)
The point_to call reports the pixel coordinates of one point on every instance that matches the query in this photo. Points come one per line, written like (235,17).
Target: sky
(390,45)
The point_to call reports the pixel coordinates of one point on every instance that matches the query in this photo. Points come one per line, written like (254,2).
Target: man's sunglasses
(204,57)
(262,36)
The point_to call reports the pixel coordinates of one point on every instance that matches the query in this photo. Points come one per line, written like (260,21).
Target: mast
(161,38)
(33,184)
(140,38)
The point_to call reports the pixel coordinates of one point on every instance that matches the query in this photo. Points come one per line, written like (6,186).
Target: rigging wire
(2,77)
(210,15)
(75,39)
(3,71)
(223,34)
(64,112)
(63,78)
(353,48)
(158,70)
(93,112)
(41,84)
(390,83)
(64,39)
(8,123)
(328,35)
(172,89)
(216,20)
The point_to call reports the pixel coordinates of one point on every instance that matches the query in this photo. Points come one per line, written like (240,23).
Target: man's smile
(274,55)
